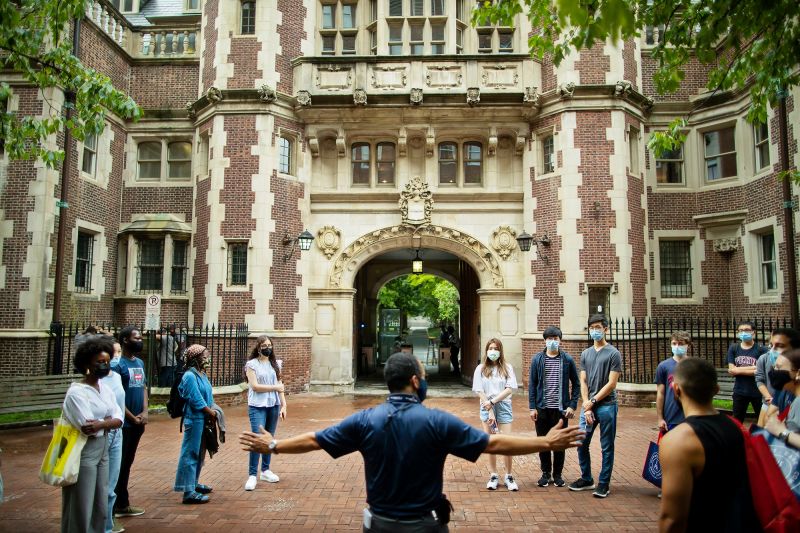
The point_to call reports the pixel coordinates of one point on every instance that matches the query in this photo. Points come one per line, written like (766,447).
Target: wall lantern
(304,239)
(416,264)
(525,242)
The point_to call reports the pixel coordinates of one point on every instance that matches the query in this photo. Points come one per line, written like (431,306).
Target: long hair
(256,352)
(489,365)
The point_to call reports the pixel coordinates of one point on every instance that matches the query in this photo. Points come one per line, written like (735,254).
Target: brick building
(263,119)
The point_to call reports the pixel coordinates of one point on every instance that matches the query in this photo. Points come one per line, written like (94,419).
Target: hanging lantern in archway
(416,264)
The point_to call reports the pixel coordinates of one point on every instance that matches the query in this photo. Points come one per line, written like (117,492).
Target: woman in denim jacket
(196,390)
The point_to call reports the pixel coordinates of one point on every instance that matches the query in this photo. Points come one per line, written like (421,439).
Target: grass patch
(723,404)
(47,414)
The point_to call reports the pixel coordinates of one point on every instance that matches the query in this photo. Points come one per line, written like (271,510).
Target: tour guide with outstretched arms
(402,432)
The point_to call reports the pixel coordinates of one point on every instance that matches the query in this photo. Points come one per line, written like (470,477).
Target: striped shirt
(552,379)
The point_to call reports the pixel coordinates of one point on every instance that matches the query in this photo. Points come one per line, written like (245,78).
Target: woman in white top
(91,407)
(266,403)
(494,382)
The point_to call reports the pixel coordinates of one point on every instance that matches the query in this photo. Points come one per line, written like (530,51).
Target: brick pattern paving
(316,492)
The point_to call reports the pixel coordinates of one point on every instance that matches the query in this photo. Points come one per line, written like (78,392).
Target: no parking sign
(152,317)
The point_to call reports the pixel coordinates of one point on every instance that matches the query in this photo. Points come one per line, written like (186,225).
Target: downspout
(788,208)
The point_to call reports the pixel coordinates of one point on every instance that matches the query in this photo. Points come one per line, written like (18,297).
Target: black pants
(427,524)
(545,421)
(454,359)
(740,404)
(130,441)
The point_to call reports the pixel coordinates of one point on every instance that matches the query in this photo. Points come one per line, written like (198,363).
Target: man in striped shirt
(553,392)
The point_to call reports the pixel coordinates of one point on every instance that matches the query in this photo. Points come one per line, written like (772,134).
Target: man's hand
(143,418)
(256,442)
(662,425)
(534,414)
(560,438)
(732,370)
(775,426)
(589,417)
(768,400)
(587,405)
(569,413)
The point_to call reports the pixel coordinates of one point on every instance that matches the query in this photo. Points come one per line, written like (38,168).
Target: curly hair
(89,349)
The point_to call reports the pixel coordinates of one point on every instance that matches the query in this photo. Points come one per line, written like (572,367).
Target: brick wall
(296,356)
(209,50)
(23,357)
(98,53)
(630,68)
(695,80)
(293,15)
(244,55)
(164,86)
(593,65)
(132,311)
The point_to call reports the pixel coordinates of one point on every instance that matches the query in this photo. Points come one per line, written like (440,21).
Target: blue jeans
(268,418)
(606,416)
(166,375)
(190,461)
(114,437)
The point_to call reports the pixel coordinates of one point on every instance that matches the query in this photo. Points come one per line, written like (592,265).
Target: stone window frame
(230,245)
(338,32)
(128,265)
(120,5)
(103,161)
(373,162)
(696,257)
(681,161)
(461,161)
(90,143)
(163,180)
(729,124)
(759,166)
(539,139)
(751,246)
(293,152)
(493,32)
(98,256)
(634,136)
(187,6)
(241,20)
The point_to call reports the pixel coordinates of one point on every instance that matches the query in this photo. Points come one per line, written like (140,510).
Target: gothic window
(248,26)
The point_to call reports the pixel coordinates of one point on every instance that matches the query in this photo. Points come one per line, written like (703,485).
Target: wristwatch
(273,447)
(784,436)
(593,400)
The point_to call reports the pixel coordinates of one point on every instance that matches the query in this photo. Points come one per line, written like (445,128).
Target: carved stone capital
(329,240)
(565,90)
(504,241)
(402,142)
(473,96)
(416,96)
(213,95)
(491,149)
(726,245)
(313,145)
(360,97)
(303,98)
(519,146)
(341,147)
(430,143)
(267,94)
(532,96)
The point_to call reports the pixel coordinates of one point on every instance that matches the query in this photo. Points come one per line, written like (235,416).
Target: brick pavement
(316,492)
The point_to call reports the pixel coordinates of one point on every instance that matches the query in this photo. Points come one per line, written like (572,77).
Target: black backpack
(176,401)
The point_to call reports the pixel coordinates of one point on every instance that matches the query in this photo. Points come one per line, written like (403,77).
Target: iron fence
(227,343)
(645,342)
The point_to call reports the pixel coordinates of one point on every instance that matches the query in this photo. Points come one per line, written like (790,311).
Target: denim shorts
(502,413)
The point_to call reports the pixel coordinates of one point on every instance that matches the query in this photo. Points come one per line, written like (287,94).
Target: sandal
(203,489)
(194,497)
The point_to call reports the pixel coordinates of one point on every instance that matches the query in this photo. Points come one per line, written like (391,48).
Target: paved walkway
(316,492)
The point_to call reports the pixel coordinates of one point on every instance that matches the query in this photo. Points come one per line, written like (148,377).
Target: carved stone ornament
(303,98)
(190,112)
(532,96)
(487,262)
(416,96)
(389,76)
(416,202)
(214,95)
(341,146)
(504,241)
(473,96)
(267,93)
(402,142)
(439,76)
(648,103)
(329,240)
(519,146)
(622,89)
(313,145)
(430,142)
(565,90)
(360,97)
(491,149)
(726,245)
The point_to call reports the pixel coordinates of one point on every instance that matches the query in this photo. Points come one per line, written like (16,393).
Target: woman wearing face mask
(91,407)
(196,390)
(786,376)
(266,402)
(494,382)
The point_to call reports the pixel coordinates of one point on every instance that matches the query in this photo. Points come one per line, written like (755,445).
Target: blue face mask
(679,351)
(745,336)
(596,334)
(773,356)
(422,391)
(552,345)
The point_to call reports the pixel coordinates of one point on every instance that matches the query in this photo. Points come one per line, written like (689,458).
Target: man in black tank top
(704,471)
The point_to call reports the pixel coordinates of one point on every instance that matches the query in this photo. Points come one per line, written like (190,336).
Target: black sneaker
(544,480)
(581,484)
(558,481)
(601,491)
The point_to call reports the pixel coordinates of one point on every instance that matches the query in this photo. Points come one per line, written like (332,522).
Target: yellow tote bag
(63,458)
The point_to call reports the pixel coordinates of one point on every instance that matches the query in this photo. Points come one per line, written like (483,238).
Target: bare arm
(660,395)
(681,454)
(584,387)
(259,443)
(556,439)
(252,381)
(734,370)
(609,387)
(503,395)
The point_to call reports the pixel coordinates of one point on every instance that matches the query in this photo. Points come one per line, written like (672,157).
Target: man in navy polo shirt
(404,446)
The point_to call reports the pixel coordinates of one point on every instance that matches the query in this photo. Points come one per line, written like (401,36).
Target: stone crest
(329,240)
(303,98)
(214,95)
(416,202)
(360,97)
(726,245)
(532,96)
(267,93)
(473,96)
(504,240)
(416,96)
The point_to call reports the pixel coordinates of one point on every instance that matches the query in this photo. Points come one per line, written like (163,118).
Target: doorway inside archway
(395,307)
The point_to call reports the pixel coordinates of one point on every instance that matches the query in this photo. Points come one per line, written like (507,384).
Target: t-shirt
(166,350)
(793,420)
(114,382)
(673,412)
(404,446)
(494,384)
(134,382)
(552,381)
(265,375)
(738,356)
(597,366)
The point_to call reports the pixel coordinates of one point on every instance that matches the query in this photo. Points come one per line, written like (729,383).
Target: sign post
(152,317)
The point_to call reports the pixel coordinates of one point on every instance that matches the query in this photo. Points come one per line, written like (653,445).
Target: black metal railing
(645,342)
(227,343)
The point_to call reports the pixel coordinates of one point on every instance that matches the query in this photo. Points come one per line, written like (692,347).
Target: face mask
(779,378)
(101,370)
(773,356)
(422,391)
(494,355)
(679,351)
(266,351)
(552,345)
(597,334)
(136,346)
(745,337)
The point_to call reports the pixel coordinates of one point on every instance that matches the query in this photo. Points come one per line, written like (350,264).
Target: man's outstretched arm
(259,443)
(557,439)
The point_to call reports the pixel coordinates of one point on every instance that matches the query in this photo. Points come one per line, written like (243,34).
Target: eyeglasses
(597,328)
(746,330)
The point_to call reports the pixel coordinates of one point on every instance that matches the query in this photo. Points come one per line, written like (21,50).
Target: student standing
(494,382)
(601,365)
(553,392)
(742,359)
(781,341)
(114,437)
(669,411)
(266,402)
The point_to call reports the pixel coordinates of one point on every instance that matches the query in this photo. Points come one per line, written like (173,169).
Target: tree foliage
(35,41)
(421,295)
(749,45)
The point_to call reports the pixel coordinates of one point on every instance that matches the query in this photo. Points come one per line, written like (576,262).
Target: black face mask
(779,378)
(136,346)
(101,370)
(266,351)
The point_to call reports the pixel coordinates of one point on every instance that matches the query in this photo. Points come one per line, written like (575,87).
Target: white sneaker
(267,475)
(510,483)
(493,479)
(251,483)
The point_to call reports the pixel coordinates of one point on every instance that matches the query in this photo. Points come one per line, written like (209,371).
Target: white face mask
(494,355)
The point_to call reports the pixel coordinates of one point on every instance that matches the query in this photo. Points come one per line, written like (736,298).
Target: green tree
(421,295)
(35,41)
(749,45)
